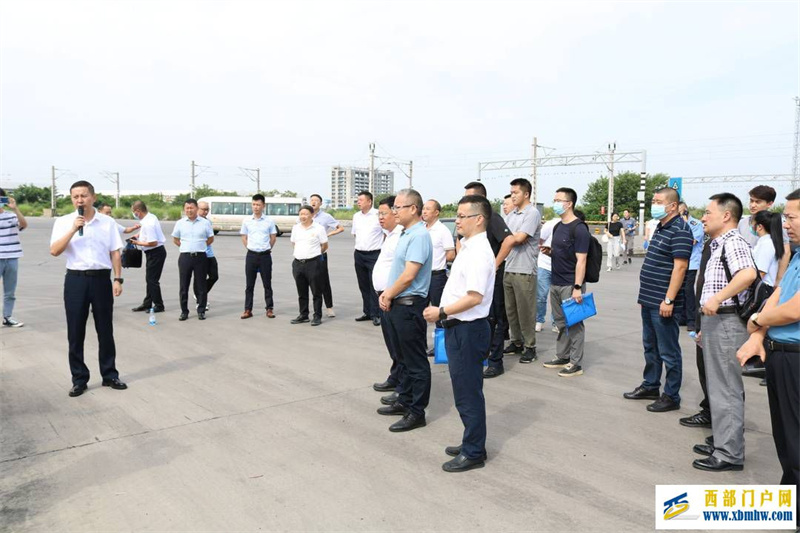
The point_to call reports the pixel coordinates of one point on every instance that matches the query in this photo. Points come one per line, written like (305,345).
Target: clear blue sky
(145,87)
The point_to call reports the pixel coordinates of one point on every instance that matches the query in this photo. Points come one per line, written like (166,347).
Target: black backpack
(594,259)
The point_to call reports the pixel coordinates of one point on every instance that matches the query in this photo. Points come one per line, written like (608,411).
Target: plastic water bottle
(152,316)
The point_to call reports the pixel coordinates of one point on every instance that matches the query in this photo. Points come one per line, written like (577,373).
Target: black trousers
(254,263)
(498,322)
(212,273)
(192,265)
(396,370)
(365,262)
(154,266)
(466,345)
(407,330)
(783,392)
(327,293)
(436,288)
(80,293)
(701,372)
(686,312)
(308,275)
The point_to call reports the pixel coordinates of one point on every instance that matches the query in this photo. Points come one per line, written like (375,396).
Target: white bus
(227,213)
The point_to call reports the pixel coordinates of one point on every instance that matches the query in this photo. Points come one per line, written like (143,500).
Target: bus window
(277,209)
(221,208)
(294,209)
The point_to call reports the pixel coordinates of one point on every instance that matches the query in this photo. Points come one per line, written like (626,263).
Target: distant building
(347,182)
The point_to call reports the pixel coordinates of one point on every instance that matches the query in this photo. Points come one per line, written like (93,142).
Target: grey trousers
(569,344)
(722,336)
(520,295)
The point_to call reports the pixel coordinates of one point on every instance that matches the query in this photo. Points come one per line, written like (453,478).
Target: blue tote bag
(578,312)
(439,350)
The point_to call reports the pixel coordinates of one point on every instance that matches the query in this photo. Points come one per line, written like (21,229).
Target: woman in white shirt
(769,249)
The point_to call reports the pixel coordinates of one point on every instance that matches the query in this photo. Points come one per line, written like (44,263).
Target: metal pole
(642,192)
(258,180)
(533,173)
(611,149)
(117,175)
(371,166)
(479,171)
(796,162)
(410,174)
(53,190)
(193,176)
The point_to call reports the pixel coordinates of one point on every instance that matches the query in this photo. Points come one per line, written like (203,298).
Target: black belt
(406,300)
(368,251)
(155,248)
(438,272)
(780,347)
(452,322)
(90,273)
(265,252)
(316,258)
(727,310)
(194,254)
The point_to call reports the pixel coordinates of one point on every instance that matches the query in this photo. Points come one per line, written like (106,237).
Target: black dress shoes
(184,316)
(363,318)
(201,316)
(140,308)
(703,449)
(710,440)
(663,404)
(383,387)
(513,349)
(712,464)
(455,451)
(114,384)
(299,320)
(640,393)
(376,321)
(389,399)
(395,409)
(159,309)
(462,464)
(492,372)
(316,321)
(699,420)
(77,390)
(408,422)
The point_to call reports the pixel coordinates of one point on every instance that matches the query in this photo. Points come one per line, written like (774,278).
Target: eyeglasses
(462,217)
(396,208)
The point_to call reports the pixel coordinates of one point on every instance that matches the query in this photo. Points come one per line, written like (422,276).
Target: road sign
(677,184)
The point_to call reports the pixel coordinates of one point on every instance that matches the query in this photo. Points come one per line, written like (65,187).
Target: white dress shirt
(368,231)
(545,261)
(383,265)
(308,241)
(442,241)
(473,270)
(92,250)
(150,231)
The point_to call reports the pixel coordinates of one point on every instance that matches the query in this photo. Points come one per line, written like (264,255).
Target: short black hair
(614,214)
(763,192)
(307,208)
(571,194)
(729,202)
(480,204)
(478,186)
(102,205)
(436,204)
(259,197)
(317,195)
(506,197)
(82,183)
(190,201)
(389,200)
(523,184)
(794,195)
(367,194)
(671,194)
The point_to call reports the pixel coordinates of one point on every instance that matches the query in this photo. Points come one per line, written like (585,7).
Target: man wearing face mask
(687,312)
(151,241)
(660,283)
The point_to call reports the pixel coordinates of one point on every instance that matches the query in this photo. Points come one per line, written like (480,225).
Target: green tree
(31,194)
(626,187)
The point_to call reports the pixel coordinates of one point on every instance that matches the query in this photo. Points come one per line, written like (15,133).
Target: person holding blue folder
(569,250)
(465,306)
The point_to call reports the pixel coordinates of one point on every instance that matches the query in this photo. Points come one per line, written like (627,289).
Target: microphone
(80,213)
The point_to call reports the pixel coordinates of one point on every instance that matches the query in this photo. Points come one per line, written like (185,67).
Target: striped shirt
(10,246)
(737,257)
(670,241)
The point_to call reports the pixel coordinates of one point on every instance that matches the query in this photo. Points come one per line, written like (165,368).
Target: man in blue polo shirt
(403,301)
(193,234)
(775,336)
(259,234)
(660,284)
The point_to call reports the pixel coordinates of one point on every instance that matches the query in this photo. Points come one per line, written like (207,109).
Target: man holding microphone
(465,306)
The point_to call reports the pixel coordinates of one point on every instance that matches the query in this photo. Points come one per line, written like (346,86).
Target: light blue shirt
(326,220)
(414,245)
(258,231)
(698,234)
(193,234)
(790,283)
(209,250)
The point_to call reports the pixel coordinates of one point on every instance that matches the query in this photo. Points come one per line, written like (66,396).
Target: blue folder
(439,351)
(578,312)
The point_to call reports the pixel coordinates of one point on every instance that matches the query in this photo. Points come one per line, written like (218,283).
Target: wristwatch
(668,301)
(442,314)
(576,287)
(754,318)
(120,280)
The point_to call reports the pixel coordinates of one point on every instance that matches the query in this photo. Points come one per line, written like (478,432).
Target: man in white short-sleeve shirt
(444,249)
(369,239)
(466,302)
(90,242)
(310,240)
(151,241)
